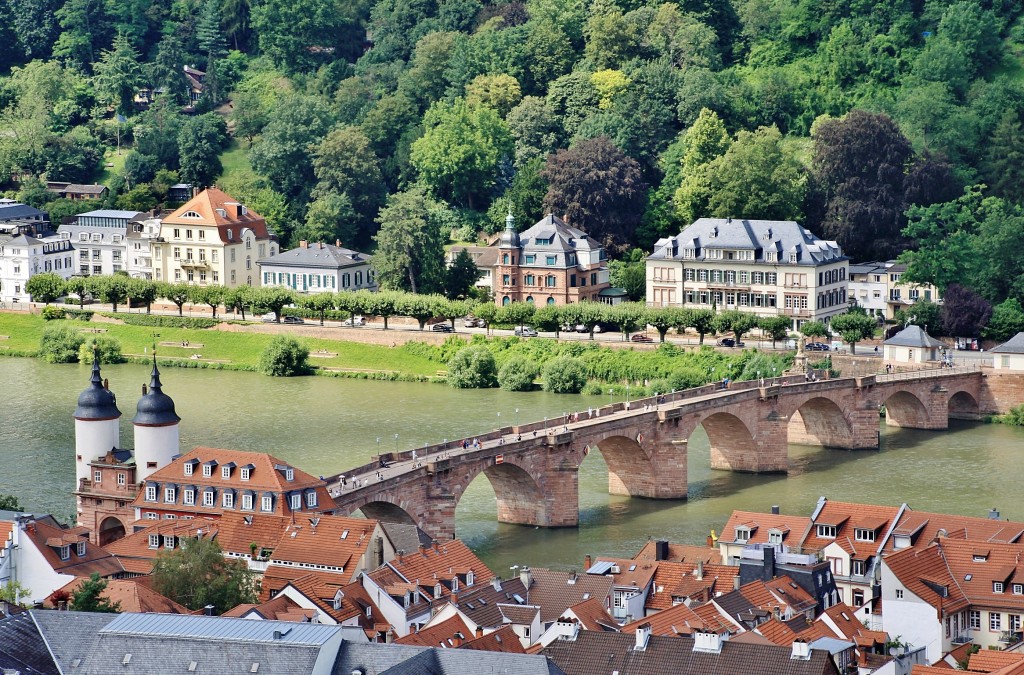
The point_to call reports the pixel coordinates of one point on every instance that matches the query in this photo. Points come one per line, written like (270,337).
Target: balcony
(189,263)
(796,312)
(728,285)
(129,492)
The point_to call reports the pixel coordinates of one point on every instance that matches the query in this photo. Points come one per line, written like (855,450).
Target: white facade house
(141,233)
(766,267)
(318,268)
(869,287)
(912,345)
(23,257)
(1010,354)
(101,239)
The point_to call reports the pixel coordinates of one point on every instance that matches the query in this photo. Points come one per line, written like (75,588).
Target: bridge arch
(818,420)
(520,498)
(963,405)
(388,512)
(903,408)
(733,445)
(629,471)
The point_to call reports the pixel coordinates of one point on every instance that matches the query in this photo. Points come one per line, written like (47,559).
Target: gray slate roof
(913,336)
(405,536)
(23,648)
(60,638)
(794,243)
(1014,345)
(18,212)
(462,662)
(318,256)
(112,213)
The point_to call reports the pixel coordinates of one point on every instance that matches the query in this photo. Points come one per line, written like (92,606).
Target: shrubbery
(473,367)
(51,313)
(164,321)
(109,350)
(564,375)
(78,314)
(59,344)
(518,374)
(284,357)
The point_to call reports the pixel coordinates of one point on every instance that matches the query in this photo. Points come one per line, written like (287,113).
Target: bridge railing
(925,373)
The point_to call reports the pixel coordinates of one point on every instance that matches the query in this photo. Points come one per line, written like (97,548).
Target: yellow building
(212,239)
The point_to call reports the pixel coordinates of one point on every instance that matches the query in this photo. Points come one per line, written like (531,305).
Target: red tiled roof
(593,615)
(132,596)
(777,631)
(792,527)
(674,582)
(689,553)
(713,619)
(923,527)
(850,628)
(631,573)
(847,517)
(207,203)
(440,562)
(502,640)
(134,553)
(236,532)
(677,620)
(95,561)
(988,661)
(555,590)
(452,632)
(335,541)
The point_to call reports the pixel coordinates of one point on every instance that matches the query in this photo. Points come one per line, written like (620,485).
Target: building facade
(551,263)
(23,257)
(769,268)
(100,237)
(212,240)
(879,288)
(317,268)
(141,233)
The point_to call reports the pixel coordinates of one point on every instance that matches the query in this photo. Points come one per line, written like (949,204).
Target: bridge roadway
(534,467)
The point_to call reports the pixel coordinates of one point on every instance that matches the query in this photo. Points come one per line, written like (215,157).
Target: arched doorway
(111,529)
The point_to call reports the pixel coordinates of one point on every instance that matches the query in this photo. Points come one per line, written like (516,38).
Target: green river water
(325,425)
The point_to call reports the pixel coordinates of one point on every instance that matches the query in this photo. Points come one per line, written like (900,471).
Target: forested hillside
(883,124)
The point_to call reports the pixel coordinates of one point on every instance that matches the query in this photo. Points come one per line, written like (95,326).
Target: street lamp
(499,419)
(517,417)
(610,390)
(627,396)
(378,449)
(396,444)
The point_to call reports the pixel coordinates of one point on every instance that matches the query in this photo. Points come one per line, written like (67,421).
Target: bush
(564,375)
(164,321)
(59,344)
(51,313)
(518,374)
(473,368)
(284,357)
(109,350)
(79,314)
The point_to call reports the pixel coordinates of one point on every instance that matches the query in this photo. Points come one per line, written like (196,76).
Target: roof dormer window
(81,549)
(190,214)
(154,541)
(826,531)
(225,471)
(997,586)
(774,536)
(742,533)
(863,534)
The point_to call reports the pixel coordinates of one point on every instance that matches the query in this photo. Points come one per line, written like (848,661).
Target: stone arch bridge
(533,468)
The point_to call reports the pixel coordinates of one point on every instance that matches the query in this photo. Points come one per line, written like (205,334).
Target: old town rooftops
(771,241)
(920,528)
(857,528)
(758,526)
(441,562)
(214,208)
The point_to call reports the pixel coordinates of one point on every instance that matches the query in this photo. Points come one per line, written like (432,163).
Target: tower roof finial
(96,402)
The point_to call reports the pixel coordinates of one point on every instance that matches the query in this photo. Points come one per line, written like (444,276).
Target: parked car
(580,328)
(354,321)
(816,347)
(525,331)
(442,328)
(293,319)
(730,342)
(640,337)
(269,317)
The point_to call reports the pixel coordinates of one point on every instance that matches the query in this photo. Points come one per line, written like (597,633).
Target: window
(189,497)
(899,593)
(177,253)
(1018,589)
(296,502)
(247,502)
(121,480)
(311,499)
(208,498)
(202,235)
(225,472)
(267,503)
(151,516)
(774,537)
(168,541)
(742,534)
(1014,620)
(150,493)
(207,470)
(169,495)
(97,476)
(974,619)
(827,531)
(154,541)
(551,260)
(244,473)
(997,586)
(864,534)
(531,259)
(995,621)
(228,500)
(858,568)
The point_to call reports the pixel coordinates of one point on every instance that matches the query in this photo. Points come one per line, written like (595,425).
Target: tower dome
(155,408)
(509,238)
(96,402)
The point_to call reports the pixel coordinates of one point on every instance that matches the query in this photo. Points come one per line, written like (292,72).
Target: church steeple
(509,238)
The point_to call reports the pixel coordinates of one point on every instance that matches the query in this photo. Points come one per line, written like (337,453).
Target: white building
(879,288)
(765,267)
(318,268)
(1010,354)
(912,345)
(100,237)
(24,256)
(141,233)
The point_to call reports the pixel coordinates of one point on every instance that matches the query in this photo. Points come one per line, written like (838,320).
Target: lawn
(111,157)
(237,351)
(235,163)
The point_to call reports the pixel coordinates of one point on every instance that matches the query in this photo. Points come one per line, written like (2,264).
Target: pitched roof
(555,590)
(793,243)
(452,632)
(674,582)
(593,615)
(84,189)
(132,596)
(135,553)
(988,660)
(845,621)
(847,517)
(923,527)
(518,614)
(48,539)
(690,553)
(592,652)
(480,603)
(913,336)
(792,528)
(676,620)
(317,255)
(335,541)
(502,640)
(1014,345)
(440,563)
(65,636)
(217,208)
(625,572)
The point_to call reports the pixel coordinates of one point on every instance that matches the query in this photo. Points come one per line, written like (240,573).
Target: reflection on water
(324,425)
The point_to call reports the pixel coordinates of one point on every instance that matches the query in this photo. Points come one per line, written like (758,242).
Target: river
(325,425)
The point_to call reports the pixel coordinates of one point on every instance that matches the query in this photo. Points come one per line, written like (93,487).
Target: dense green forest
(890,126)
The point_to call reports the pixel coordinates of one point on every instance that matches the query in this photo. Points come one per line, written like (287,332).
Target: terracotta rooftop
(450,633)
(217,208)
(95,559)
(237,532)
(923,527)
(677,620)
(792,528)
(843,620)
(990,661)
(502,640)
(847,517)
(625,572)
(132,596)
(136,551)
(555,591)
(335,541)
(689,553)
(440,563)
(713,619)
(675,582)
(518,614)
(593,615)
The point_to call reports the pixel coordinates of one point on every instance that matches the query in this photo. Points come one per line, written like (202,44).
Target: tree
(853,327)
(345,163)
(1003,165)
(197,574)
(107,349)
(142,290)
(423,308)
(236,299)
(300,36)
(271,300)
(923,313)
(281,153)
(599,189)
(859,165)
(167,70)
(59,344)
(199,144)
(1007,320)
(534,126)
(84,27)
(211,296)
(138,169)
(459,152)
(88,596)
(461,276)
(700,320)
(630,316)
(500,92)
(516,313)
(473,368)
(45,287)
(320,303)
(518,374)
(13,591)
(139,198)
(564,375)
(77,286)
(664,318)
(330,218)
(284,356)
(776,327)
(486,311)
(211,42)
(176,293)
(10,503)
(735,322)
(757,178)
(630,274)
(409,252)
(814,329)
(112,289)
(118,75)
(705,140)
(964,312)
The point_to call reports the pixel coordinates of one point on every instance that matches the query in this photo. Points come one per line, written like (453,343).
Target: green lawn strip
(241,350)
(234,162)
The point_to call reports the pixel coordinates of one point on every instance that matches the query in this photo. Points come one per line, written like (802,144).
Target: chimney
(643,633)
(337,242)
(769,563)
(208,610)
(479,631)
(588,562)
(801,650)
(321,246)
(993,514)
(454,597)
(710,541)
(303,244)
(707,642)
(496,583)
(775,509)
(699,572)
(736,583)
(526,577)
(661,549)
(400,553)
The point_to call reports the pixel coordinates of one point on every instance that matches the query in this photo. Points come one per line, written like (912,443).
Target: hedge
(159,321)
